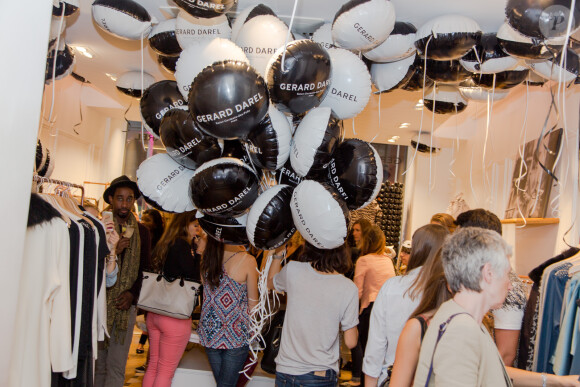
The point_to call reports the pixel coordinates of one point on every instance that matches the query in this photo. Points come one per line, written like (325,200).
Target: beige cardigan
(465,356)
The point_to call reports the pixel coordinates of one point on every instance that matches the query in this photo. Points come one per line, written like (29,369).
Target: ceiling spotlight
(84,51)
(112,76)
(404,125)
(391,140)
(395,137)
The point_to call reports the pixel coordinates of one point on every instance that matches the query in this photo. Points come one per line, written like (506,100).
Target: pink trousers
(168,338)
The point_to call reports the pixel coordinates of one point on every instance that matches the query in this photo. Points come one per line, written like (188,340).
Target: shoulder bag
(175,298)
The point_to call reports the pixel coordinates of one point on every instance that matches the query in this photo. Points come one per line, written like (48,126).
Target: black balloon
(69,9)
(65,60)
(154,204)
(417,80)
(488,55)
(356,172)
(448,71)
(157,100)
(168,62)
(234,148)
(224,187)
(228,230)
(449,37)
(503,80)
(162,39)
(260,10)
(270,222)
(541,18)
(228,99)
(185,142)
(206,8)
(302,83)
(520,46)
(287,175)
(263,145)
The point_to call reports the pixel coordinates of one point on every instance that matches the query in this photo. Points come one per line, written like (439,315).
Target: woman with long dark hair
(320,302)
(177,256)
(396,300)
(230,281)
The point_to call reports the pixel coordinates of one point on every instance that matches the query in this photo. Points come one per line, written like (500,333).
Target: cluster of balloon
(399,45)
(444,99)
(199,55)
(65,7)
(523,47)
(393,75)
(502,80)
(535,80)
(165,183)
(323,36)
(314,142)
(287,175)
(44,163)
(269,142)
(447,37)
(163,40)
(189,29)
(247,14)
(229,230)
(133,83)
(270,222)
(480,94)
(320,215)
(185,142)
(233,114)
(446,71)
(542,19)
(206,8)
(65,63)
(350,84)
(417,79)
(425,143)
(390,201)
(551,69)
(157,100)
(224,187)
(297,76)
(234,148)
(357,27)
(259,37)
(125,19)
(356,172)
(488,57)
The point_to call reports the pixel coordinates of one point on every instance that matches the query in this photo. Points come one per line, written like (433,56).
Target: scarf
(128,271)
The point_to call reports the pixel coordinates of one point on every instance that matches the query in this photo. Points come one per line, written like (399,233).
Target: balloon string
(523,165)
(57,44)
(432,133)
(80,107)
(471,178)
(487,125)
(474,48)
(353,129)
(142,85)
(288,34)
(422,107)
(453,157)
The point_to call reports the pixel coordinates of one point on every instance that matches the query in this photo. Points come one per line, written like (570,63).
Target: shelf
(531,221)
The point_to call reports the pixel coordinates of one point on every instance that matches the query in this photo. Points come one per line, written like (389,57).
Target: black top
(181,262)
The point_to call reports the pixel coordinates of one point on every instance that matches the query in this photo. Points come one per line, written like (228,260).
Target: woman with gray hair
(457,350)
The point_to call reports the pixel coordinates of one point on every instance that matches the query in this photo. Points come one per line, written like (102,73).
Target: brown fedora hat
(121,181)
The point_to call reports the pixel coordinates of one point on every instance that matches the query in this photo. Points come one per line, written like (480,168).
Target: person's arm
(507,342)
(275,266)
(407,355)
(377,340)
(522,378)
(252,281)
(360,270)
(351,337)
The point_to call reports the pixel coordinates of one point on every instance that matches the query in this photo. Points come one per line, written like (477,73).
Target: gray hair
(465,253)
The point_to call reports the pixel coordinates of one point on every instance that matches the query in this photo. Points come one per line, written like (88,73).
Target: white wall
(487,184)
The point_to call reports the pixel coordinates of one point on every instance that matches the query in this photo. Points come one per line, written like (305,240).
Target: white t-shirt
(317,304)
(511,313)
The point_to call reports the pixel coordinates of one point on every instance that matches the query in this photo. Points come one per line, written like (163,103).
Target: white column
(24,40)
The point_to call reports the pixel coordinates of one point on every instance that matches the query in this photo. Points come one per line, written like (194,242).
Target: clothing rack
(42,179)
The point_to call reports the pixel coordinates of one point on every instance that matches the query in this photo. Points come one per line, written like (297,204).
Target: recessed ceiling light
(395,137)
(391,140)
(404,125)
(84,51)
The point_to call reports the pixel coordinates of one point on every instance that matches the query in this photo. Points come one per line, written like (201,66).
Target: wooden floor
(135,360)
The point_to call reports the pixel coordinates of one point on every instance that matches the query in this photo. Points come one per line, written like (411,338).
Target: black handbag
(272,338)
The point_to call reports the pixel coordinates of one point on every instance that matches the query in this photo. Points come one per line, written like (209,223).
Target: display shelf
(531,221)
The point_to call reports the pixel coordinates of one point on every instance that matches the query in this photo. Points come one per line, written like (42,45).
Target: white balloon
(399,45)
(131,83)
(189,29)
(551,69)
(350,84)
(447,37)
(166,182)
(260,38)
(364,26)
(320,216)
(201,54)
(480,94)
(125,19)
(249,12)
(323,36)
(389,76)
(444,99)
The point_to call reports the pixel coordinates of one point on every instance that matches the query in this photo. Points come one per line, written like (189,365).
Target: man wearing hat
(132,254)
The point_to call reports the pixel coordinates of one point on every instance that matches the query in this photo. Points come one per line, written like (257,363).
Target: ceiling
(115,56)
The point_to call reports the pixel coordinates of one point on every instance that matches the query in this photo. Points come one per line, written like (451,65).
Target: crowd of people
(445,311)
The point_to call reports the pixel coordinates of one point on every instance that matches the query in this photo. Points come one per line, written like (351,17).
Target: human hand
(123,302)
(122,244)
(566,381)
(112,239)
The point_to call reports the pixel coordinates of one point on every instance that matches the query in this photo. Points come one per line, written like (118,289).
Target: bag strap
(442,329)
(424,325)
